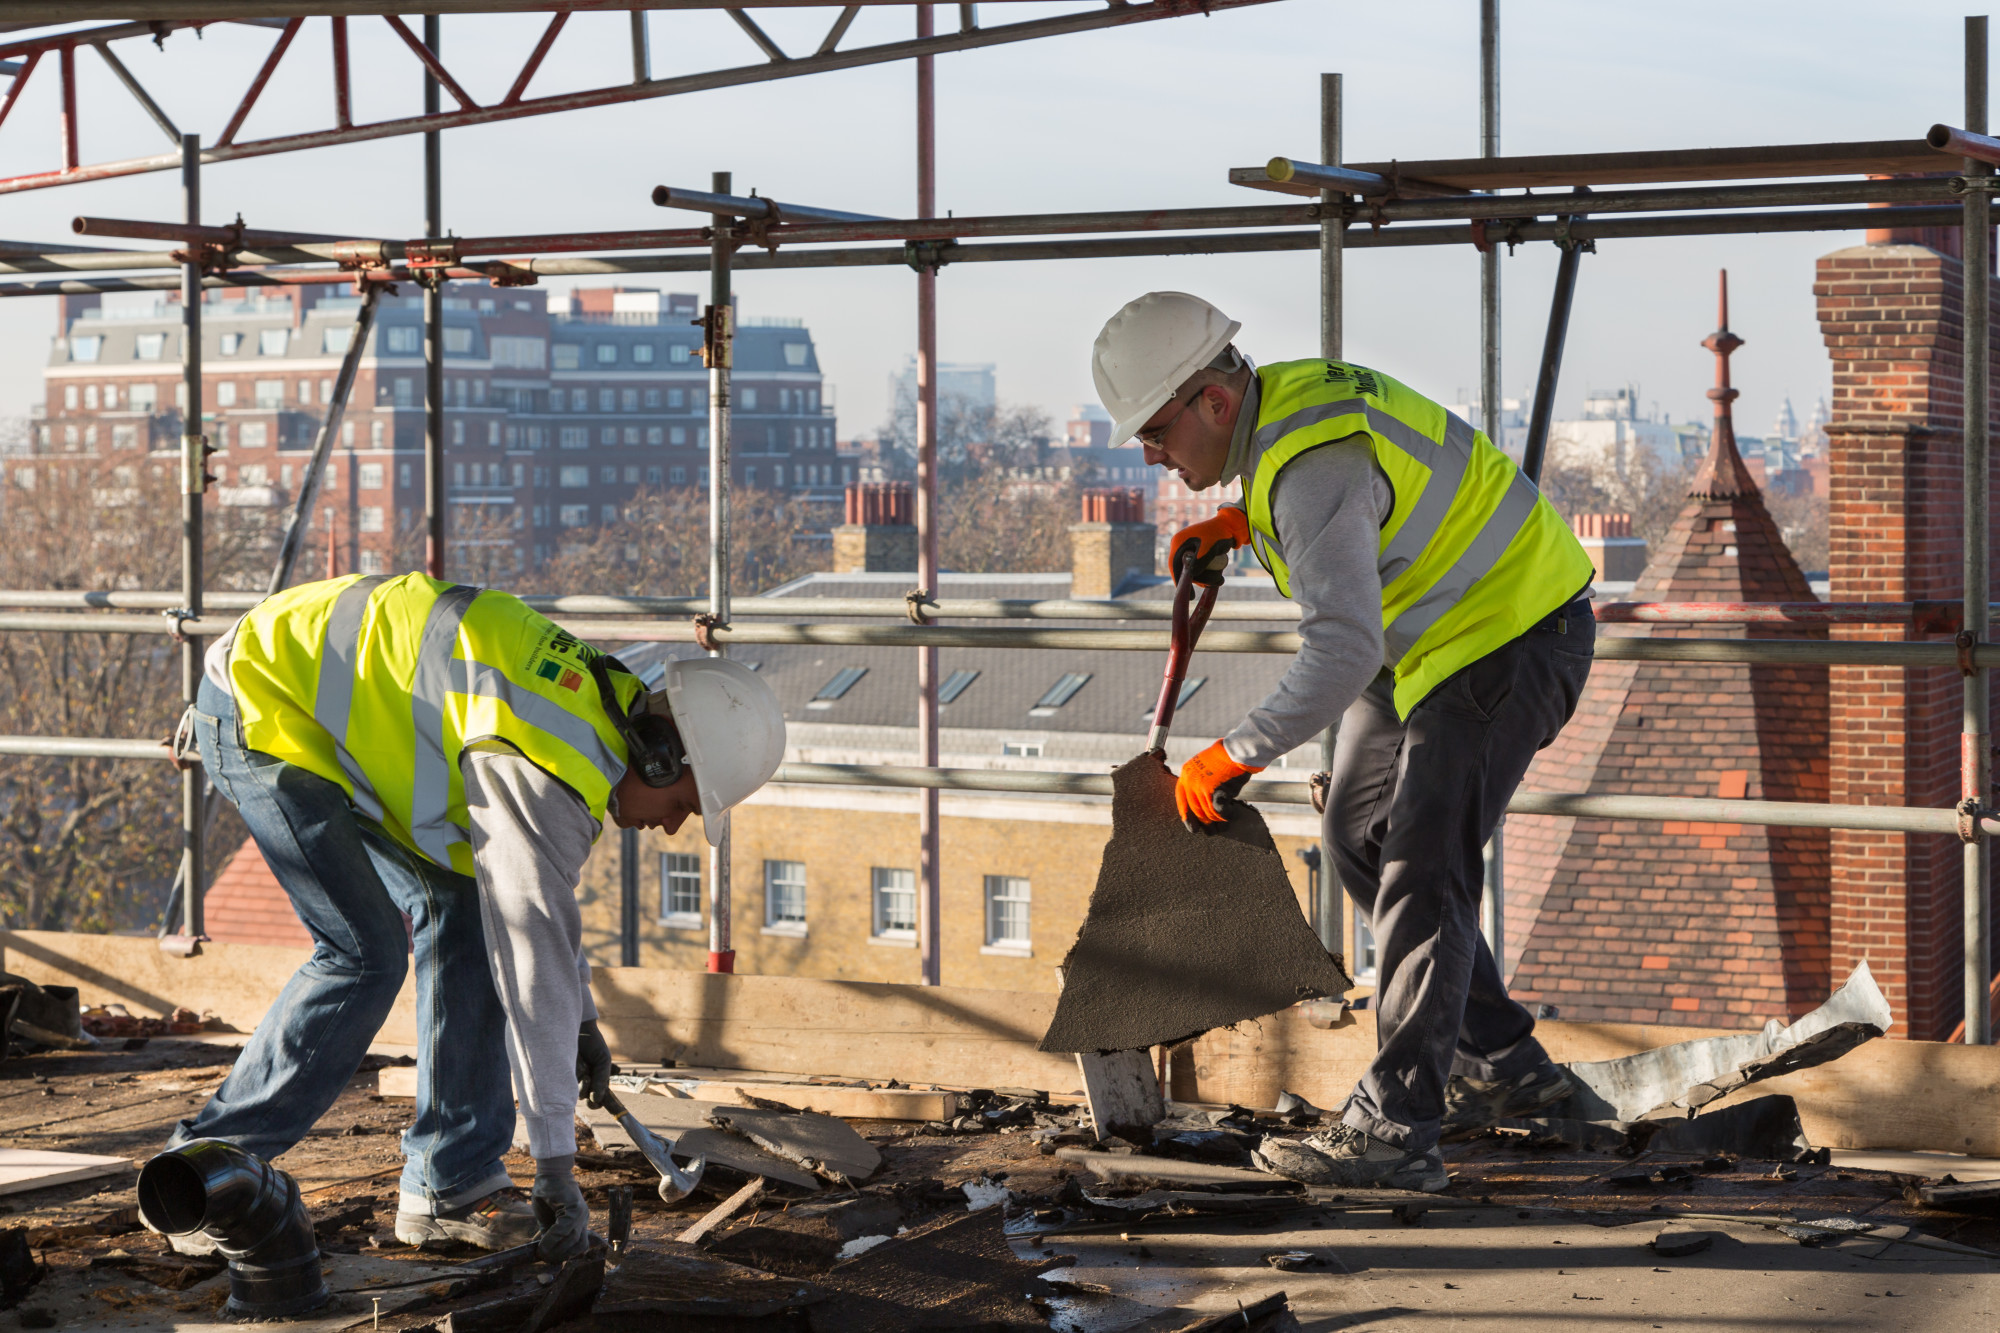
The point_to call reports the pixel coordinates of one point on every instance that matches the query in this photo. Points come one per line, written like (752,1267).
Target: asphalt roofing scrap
(1678,1080)
(1186,931)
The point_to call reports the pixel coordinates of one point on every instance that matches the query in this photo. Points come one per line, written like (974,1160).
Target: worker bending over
(404,747)
(1445,625)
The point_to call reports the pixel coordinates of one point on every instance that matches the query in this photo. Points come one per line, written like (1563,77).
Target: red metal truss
(225,147)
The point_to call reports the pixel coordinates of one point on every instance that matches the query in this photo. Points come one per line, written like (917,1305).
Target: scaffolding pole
(1332,346)
(194,483)
(929,888)
(1493,898)
(433,326)
(336,411)
(1976,761)
(719,327)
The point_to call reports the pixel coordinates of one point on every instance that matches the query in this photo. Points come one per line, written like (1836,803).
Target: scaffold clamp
(1319,785)
(1966,643)
(928,256)
(1970,815)
(705,626)
(914,602)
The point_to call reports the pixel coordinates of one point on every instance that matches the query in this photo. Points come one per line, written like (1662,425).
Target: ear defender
(652,743)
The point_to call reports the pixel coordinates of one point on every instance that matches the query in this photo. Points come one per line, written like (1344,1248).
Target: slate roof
(1117,699)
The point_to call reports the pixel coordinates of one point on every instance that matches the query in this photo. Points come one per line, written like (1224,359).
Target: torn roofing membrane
(1687,1075)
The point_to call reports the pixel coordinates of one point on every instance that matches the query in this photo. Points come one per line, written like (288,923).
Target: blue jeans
(352,885)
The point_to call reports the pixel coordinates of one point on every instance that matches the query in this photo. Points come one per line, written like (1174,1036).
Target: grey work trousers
(1412,805)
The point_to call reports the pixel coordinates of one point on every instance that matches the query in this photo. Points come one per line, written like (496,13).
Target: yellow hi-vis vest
(378,684)
(1471,555)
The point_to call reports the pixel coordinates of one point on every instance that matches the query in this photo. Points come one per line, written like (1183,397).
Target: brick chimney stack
(880,536)
(1113,544)
(1618,555)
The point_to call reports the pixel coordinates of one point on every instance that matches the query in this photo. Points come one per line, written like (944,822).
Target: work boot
(1349,1158)
(1471,1103)
(500,1221)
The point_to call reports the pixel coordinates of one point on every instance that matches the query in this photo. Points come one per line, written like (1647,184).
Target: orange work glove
(1202,542)
(1201,777)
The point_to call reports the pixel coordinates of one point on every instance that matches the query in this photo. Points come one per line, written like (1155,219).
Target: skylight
(843,681)
(1060,693)
(1188,690)
(954,685)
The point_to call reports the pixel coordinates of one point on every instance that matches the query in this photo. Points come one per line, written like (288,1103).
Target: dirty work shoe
(1347,1157)
(1471,1103)
(500,1221)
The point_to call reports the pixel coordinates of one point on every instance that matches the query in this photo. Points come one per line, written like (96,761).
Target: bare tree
(973,438)
(1580,480)
(90,844)
(659,545)
(1802,520)
(991,523)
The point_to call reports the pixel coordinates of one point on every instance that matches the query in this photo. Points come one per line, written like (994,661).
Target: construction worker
(408,748)
(1445,626)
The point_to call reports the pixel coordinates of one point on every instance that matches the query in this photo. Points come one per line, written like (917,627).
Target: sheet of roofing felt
(1185,931)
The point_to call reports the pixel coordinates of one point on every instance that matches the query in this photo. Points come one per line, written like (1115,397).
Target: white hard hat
(731,727)
(1148,350)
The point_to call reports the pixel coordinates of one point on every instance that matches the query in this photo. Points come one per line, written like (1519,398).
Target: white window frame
(886,883)
(1002,891)
(677,871)
(784,875)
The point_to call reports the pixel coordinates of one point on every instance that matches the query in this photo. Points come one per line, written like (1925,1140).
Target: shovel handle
(1187,627)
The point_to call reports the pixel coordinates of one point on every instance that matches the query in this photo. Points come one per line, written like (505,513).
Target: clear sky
(1146,116)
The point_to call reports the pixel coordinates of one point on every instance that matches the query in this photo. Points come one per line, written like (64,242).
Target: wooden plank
(722,1212)
(24,1169)
(847,1103)
(1122,1091)
(1661,167)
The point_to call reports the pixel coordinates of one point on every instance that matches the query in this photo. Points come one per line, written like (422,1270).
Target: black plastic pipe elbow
(253,1212)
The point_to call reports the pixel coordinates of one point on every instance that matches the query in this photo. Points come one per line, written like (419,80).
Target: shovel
(1180,646)
(674,1182)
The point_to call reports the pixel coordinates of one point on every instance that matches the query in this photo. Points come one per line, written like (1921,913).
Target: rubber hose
(252,1211)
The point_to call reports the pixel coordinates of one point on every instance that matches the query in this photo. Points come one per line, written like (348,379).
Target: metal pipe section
(718,353)
(1976,752)
(433,326)
(1973,146)
(1328,177)
(343,384)
(1493,898)
(752,208)
(1332,344)
(194,485)
(1716,224)
(930,947)
(1536,447)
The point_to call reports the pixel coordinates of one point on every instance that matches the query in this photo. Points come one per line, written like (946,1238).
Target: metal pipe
(1328,177)
(628,897)
(718,353)
(1692,809)
(1910,656)
(194,484)
(1932,617)
(302,508)
(434,534)
(1493,897)
(1972,145)
(752,208)
(1332,346)
(1940,215)
(1976,753)
(1112,16)
(298,247)
(1537,444)
(930,948)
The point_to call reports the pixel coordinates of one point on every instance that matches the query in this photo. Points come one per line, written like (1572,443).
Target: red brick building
(1891,313)
(553,419)
(1715,925)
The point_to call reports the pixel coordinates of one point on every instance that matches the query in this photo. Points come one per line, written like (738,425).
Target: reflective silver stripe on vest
(1434,502)
(430,790)
(539,712)
(1267,436)
(333,701)
(1480,556)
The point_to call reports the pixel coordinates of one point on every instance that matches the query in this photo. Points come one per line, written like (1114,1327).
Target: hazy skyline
(1146,116)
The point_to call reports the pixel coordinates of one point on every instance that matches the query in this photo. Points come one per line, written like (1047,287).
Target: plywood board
(848,1103)
(1122,1091)
(23,1169)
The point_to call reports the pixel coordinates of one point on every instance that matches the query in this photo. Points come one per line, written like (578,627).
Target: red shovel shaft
(1186,630)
